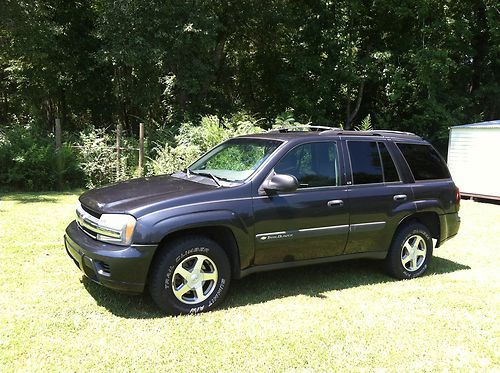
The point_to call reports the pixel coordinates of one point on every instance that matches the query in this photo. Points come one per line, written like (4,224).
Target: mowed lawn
(341,316)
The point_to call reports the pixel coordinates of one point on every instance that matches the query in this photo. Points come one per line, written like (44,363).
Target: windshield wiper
(206,174)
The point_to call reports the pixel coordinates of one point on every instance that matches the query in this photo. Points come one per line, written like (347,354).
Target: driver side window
(314,165)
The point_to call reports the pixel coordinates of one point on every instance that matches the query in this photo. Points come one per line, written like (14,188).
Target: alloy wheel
(194,279)
(413,253)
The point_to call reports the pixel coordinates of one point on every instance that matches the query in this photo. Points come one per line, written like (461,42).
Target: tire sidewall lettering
(178,259)
(169,277)
(193,250)
(211,301)
(208,303)
(416,273)
(220,289)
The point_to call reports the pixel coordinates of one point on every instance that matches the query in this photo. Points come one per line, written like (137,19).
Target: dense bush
(192,141)
(29,161)
(98,158)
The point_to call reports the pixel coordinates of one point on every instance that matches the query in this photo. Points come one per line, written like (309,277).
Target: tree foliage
(419,66)
(192,141)
(29,161)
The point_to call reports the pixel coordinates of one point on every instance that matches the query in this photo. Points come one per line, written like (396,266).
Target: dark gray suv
(254,203)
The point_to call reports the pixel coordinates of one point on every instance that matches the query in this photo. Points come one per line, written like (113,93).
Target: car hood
(128,196)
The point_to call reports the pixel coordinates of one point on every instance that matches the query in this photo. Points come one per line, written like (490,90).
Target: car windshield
(234,160)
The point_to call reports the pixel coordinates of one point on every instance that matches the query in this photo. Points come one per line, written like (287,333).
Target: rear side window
(390,171)
(371,163)
(365,162)
(425,163)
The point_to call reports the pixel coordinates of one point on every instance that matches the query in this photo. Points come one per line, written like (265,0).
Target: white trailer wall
(473,158)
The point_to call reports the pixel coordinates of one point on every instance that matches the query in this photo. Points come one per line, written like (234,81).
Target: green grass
(341,316)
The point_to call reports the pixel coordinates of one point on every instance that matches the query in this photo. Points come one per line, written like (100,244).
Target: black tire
(174,257)
(398,253)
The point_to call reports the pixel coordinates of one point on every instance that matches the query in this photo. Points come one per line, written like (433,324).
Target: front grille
(90,225)
(87,221)
(88,231)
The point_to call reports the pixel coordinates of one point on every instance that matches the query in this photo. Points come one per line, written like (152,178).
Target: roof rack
(370,133)
(391,132)
(305,128)
(323,130)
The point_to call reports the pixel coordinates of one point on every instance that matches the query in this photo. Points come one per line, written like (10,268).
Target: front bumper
(123,268)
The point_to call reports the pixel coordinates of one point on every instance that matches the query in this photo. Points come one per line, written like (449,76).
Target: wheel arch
(430,219)
(220,234)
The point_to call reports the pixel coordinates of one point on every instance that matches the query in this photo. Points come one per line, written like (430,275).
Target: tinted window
(425,163)
(365,162)
(313,164)
(390,171)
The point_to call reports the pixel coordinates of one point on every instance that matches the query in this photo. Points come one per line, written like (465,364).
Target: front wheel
(190,275)
(410,252)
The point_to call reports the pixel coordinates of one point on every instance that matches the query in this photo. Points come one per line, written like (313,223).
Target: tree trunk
(352,115)
(218,57)
(480,45)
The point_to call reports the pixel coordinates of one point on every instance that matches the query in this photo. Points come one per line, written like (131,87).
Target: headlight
(112,228)
(116,228)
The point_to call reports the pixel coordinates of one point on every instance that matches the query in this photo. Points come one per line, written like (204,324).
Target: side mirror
(280,183)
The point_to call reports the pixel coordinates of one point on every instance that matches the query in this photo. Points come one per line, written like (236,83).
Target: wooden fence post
(141,149)
(118,148)
(58,154)
(58,134)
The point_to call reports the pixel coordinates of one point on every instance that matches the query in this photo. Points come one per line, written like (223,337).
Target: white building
(474,157)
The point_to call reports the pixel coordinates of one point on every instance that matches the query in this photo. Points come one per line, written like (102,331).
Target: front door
(313,221)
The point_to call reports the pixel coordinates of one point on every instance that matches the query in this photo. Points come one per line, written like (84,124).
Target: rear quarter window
(425,163)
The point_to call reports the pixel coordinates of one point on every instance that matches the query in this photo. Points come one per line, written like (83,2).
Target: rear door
(380,194)
(311,222)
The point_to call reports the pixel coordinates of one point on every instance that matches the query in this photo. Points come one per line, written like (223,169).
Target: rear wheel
(190,275)
(410,252)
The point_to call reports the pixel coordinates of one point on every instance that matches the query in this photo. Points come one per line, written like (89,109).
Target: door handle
(335,203)
(399,197)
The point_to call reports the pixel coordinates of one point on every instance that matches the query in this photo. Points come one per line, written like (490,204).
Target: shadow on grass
(311,281)
(129,306)
(34,197)
(314,281)
(23,198)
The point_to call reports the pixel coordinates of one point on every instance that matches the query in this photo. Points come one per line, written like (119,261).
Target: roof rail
(301,129)
(391,132)
(370,133)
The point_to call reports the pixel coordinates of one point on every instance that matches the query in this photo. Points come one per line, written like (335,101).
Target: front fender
(154,232)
